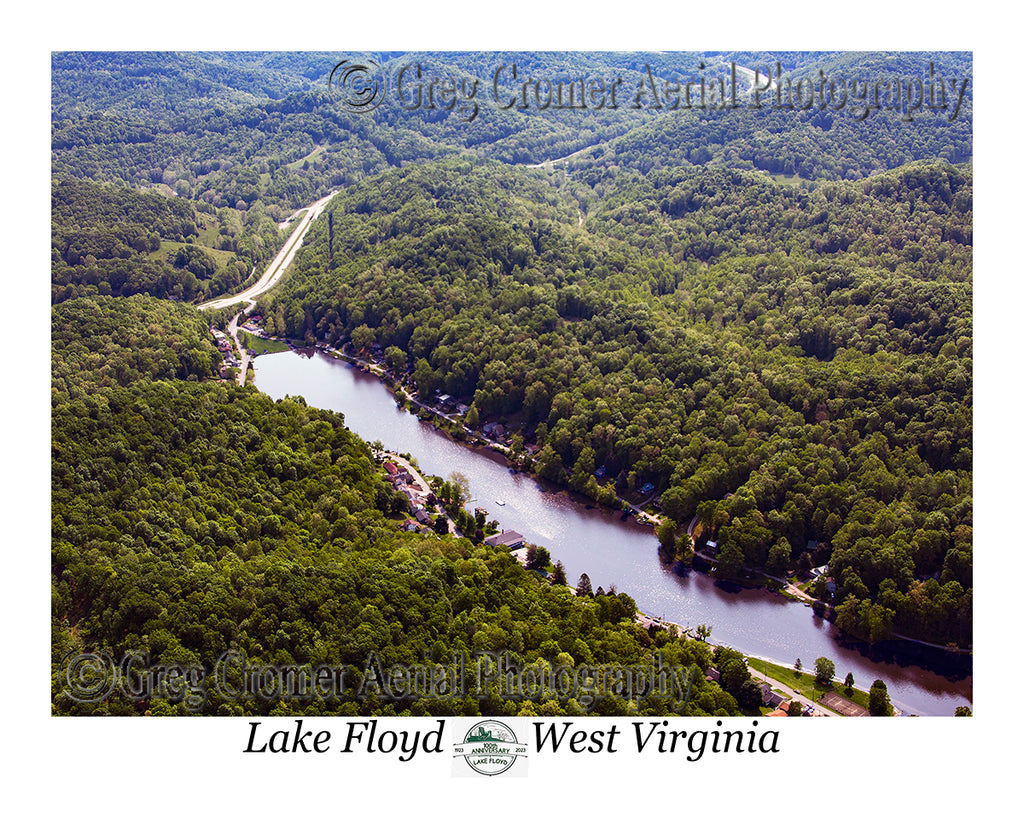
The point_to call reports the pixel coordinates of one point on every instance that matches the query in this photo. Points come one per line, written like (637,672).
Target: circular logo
(490,748)
(88,677)
(360,87)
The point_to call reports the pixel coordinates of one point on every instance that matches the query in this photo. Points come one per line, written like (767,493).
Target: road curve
(280,263)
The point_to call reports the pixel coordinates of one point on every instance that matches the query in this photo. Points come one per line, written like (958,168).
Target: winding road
(271,276)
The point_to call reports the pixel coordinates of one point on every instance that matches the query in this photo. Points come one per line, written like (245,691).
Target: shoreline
(480,442)
(498,453)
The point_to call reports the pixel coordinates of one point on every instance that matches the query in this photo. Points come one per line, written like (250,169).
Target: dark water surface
(618,553)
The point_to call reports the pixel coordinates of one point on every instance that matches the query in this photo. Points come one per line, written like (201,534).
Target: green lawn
(803,681)
(261,345)
(310,156)
(167,249)
(788,178)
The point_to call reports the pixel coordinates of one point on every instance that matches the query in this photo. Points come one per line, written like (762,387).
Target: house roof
(508,538)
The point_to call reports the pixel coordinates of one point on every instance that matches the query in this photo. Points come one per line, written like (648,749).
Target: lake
(619,553)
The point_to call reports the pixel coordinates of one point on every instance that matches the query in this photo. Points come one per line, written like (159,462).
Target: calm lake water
(615,552)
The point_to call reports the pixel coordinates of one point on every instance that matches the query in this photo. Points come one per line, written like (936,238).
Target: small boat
(500,502)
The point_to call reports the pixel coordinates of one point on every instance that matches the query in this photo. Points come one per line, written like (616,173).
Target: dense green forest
(191,519)
(113,240)
(790,366)
(765,314)
(137,120)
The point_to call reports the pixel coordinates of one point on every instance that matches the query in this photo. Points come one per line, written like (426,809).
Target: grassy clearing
(168,249)
(311,155)
(209,231)
(261,345)
(803,681)
(788,178)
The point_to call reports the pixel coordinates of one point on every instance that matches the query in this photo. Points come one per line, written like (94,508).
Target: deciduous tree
(824,670)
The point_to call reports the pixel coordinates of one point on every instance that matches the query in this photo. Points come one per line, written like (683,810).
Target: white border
(936,766)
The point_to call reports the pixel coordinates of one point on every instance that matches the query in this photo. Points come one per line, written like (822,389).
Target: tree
(749,696)
(778,557)
(362,337)
(803,564)
(730,560)
(462,482)
(425,378)
(703,631)
(537,557)
(962,711)
(583,586)
(666,533)
(849,682)
(878,700)
(441,525)
(734,674)
(824,670)
(558,575)
(396,359)
(684,550)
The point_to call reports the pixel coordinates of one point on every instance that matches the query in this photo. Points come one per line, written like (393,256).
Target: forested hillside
(763,316)
(144,126)
(191,519)
(113,240)
(790,366)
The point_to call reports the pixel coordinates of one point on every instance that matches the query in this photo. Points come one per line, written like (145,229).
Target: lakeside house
(511,538)
(771,698)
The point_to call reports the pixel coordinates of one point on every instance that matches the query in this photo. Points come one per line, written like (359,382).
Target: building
(510,538)
(771,698)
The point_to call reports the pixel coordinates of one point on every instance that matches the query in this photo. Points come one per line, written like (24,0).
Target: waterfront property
(510,538)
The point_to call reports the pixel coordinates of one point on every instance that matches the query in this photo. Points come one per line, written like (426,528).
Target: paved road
(549,163)
(789,692)
(243,352)
(278,266)
(419,479)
